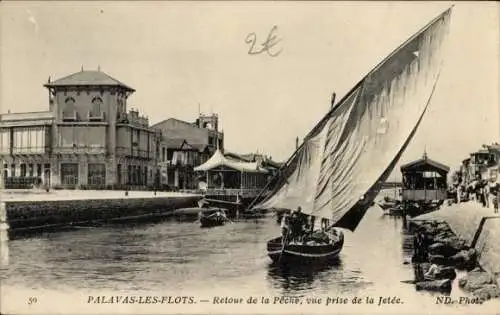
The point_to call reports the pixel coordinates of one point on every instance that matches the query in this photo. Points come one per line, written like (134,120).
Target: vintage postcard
(249,157)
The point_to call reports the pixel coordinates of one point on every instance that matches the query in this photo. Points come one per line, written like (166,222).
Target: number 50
(32,300)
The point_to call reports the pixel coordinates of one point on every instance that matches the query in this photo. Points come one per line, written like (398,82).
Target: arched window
(121,106)
(95,110)
(69,112)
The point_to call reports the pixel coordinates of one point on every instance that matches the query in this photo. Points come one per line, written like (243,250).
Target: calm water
(148,256)
(178,256)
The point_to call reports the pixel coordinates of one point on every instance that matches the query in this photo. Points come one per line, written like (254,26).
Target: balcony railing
(134,152)
(428,194)
(79,150)
(96,116)
(69,115)
(29,150)
(249,192)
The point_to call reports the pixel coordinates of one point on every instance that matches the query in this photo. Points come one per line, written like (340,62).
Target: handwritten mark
(267,46)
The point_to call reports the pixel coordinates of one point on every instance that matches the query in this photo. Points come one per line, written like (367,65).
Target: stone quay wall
(488,246)
(464,237)
(39,212)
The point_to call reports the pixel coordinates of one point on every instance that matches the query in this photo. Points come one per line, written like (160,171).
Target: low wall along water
(489,247)
(39,211)
(476,237)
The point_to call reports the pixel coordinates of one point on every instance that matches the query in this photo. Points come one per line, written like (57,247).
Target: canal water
(182,257)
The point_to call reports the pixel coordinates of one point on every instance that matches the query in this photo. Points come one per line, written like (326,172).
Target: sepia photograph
(260,157)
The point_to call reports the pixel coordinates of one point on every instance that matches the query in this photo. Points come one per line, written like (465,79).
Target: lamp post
(4,228)
(3,214)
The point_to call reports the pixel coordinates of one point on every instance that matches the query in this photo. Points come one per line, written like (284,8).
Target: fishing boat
(311,251)
(340,167)
(213,217)
(394,211)
(389,204)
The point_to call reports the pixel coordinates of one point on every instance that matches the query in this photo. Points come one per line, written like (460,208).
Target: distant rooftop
(88,78)
(174,119)
(425,163)
(26,116)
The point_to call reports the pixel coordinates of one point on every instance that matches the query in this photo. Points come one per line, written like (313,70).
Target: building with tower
(185,145)
(87,138)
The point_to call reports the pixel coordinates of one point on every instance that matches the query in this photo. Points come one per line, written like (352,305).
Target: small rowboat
(213,218)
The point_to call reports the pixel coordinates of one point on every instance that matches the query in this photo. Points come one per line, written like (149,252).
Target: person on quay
(495,191)
(486,192)
(416,247)
(433,271)
(459,193)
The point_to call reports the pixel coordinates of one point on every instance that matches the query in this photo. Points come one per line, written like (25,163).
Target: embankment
(465,237)
(39,211)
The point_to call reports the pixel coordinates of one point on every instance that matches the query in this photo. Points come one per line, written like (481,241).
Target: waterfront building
(482,164)
(491,168)
(424,180)
(184,145)
(227,178)
(86,138)
(178,159)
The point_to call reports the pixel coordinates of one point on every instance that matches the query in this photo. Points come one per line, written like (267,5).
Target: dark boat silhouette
(212,217)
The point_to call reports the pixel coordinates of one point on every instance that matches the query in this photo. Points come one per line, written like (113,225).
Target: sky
(181,56)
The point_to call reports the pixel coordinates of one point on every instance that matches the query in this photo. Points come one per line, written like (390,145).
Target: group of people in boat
(299,228)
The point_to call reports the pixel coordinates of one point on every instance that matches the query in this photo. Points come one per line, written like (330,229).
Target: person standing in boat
(324,224)
(297,222)
(285,228)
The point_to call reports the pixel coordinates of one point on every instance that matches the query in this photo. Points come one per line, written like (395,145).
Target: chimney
(333,100)
(296,143)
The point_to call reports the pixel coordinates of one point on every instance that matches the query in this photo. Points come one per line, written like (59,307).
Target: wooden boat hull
(388,205)
(302,253)
(394,211)
(211,221)
(253,215)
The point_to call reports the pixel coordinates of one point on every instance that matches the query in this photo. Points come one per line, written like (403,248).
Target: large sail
(338,170)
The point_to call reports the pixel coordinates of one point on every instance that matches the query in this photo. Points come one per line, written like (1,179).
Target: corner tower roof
(88,78)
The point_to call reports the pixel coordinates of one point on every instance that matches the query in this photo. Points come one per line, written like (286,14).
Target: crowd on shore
(481,191)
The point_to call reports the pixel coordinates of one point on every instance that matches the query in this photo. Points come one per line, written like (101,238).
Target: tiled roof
(425,161)
(157,125)
(199,146)
(174,143)
(85,78)
(183,144)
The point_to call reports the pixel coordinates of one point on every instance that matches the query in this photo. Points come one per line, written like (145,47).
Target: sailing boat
(338,170)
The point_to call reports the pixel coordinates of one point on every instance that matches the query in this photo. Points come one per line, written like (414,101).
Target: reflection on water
(4,244)
(295,278)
